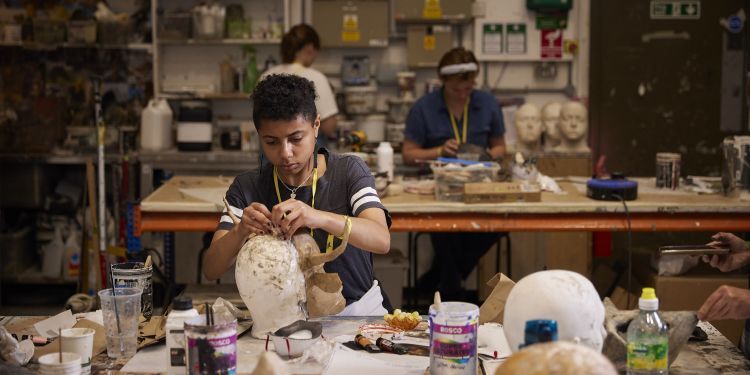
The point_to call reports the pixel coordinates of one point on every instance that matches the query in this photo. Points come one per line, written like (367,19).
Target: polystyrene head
(565,296)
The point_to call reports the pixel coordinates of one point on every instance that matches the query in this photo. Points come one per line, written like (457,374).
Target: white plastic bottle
(385,159)
(648,341)
(182,310)
(156,126)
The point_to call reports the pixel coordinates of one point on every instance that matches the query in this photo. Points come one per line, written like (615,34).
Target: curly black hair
(283,97)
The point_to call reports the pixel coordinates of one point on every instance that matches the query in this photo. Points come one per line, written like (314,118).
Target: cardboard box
(688,292)
(555,165)
(426,44)
(501,192)
(343,23)
(411,10)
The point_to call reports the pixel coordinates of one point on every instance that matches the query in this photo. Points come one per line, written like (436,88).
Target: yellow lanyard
(329,241)
(466,123)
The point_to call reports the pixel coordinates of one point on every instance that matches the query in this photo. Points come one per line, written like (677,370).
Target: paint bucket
(668,170)
(135,275)
(453,338)
(211,349)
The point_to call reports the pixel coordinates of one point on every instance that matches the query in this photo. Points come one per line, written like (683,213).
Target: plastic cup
(80,341)
(121,329)
(50,364)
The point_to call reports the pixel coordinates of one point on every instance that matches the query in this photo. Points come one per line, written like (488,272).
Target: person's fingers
(260,207)
(724,311)
(709,304)
(290,217)
(715,244)
(716,308)
(293,228)
(714,261)
(706,258)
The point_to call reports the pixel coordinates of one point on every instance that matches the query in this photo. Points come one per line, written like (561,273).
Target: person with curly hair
(299,48)
(304,187)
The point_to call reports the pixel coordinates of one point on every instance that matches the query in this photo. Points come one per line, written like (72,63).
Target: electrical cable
(630,245)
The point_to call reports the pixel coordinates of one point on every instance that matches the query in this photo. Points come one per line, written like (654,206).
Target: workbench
(715,356)
(170,209)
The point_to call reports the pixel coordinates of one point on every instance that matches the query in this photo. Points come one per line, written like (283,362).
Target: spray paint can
(668,170)
(453,338)
(211,349)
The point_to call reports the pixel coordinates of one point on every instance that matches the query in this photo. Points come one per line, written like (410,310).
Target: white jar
(385,159)
(373,126)
(156,126)
(182,310)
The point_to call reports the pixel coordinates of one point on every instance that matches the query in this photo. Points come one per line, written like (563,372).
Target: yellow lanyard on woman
(466,124)
(329,241)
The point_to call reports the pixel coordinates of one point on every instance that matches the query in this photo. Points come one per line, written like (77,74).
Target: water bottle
(648,342)
(385,159)
(182,310)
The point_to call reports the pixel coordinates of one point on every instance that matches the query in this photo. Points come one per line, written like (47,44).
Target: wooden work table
(192,203)
(717,355)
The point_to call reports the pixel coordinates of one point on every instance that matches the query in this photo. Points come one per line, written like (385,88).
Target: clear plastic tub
(450,178)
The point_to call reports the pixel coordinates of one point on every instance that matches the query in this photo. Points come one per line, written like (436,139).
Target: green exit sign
(685,9)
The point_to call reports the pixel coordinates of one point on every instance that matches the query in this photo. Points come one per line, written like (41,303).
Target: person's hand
(450,148)
(727,302)
(298,215)
(738,257)
(256,219)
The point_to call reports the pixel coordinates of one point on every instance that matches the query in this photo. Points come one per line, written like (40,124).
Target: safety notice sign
(551,44)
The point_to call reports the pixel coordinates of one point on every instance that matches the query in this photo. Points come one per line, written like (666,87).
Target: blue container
(540,330)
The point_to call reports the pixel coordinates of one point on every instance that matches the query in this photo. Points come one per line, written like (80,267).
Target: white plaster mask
(573,123)
(528,124)
(565,296)
(550,117)
(281,280)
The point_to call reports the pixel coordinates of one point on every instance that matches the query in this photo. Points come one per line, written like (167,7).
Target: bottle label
(642,356)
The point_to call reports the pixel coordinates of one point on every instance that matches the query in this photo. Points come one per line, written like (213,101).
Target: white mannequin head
(528,123)
(564,296)
(573,127)
(550,116)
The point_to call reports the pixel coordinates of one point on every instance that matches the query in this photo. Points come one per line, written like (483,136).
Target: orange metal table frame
(500,222)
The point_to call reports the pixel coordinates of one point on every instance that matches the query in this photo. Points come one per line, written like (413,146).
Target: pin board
(504,30)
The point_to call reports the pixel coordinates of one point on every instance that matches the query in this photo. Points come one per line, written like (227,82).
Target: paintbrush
(59,350)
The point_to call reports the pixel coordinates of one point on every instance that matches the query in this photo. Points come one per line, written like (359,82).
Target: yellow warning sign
(350,28)
(429,42)
(432,9)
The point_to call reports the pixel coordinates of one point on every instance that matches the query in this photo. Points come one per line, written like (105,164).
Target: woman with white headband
(454,119)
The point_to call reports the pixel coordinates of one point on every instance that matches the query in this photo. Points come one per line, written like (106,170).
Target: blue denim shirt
(429,124)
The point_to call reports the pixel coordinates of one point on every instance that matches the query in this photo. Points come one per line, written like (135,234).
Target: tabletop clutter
(555,312)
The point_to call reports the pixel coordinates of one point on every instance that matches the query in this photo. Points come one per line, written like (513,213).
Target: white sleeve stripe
(236,211)
(226,219)
(361,192)
(363,201)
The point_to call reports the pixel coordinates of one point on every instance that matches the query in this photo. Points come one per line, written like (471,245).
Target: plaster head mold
(550,117)
(528,123)
(573,126)
(559,358)
(283,281)
(680,323)
(565,296)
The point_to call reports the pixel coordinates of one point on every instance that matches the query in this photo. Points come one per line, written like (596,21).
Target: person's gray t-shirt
(346,188)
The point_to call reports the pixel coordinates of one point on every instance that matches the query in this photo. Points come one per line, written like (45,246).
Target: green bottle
(251,69)
(648,342)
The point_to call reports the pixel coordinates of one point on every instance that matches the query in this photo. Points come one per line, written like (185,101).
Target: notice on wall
(350,28)
(516,38)
(492,39)
(551,44)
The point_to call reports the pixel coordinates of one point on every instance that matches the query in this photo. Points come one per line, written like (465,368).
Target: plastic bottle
(648,342)
(385,159)
(156,126)
(182,310)
(251,69)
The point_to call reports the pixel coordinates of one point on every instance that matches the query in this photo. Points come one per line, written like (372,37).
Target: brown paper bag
(492,309)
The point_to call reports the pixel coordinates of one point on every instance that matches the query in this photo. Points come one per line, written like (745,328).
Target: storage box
(345,23)
(426,44)
(555,165)
(501,192)
(689,291)
(17,252)
(451,178)
(82,32)
(391,270)
(175,26)
(410,10)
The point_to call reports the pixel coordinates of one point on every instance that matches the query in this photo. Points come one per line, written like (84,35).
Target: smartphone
(694,250)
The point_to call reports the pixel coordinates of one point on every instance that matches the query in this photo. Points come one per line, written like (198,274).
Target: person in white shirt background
(299,48)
